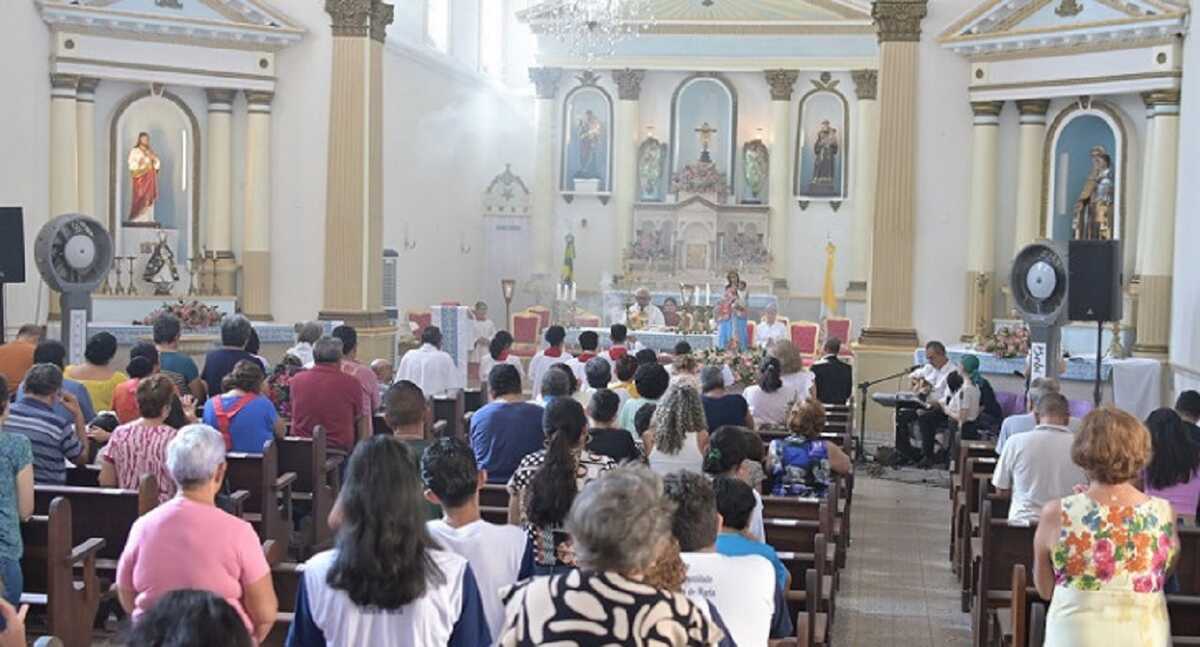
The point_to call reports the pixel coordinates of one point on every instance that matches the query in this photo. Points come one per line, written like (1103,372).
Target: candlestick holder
(216,290)
(131,279)
(191,268)
(118,289)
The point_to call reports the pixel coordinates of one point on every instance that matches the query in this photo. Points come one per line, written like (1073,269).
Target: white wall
(1185,298)
(25,140)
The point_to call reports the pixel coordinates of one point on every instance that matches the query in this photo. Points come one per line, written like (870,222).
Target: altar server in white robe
(430,367)
(771,329)
(484,331)
(551,355)
(648,315)
(499,352)
(589,343)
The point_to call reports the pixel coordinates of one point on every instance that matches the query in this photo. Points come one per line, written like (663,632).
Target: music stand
(860,452)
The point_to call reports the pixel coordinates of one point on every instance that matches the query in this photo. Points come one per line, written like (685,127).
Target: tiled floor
(897,588)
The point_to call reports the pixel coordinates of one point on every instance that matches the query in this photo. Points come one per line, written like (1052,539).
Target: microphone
(1019,374)
(915,367)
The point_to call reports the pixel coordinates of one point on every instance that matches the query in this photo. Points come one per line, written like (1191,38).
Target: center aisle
(897,588)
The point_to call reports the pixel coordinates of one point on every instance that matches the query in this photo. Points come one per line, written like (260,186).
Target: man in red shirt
(16,357)
(326,396)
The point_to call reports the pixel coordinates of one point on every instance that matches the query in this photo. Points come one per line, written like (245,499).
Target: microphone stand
(860,452)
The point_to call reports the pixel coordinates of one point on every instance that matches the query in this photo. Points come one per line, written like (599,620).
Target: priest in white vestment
(770,329)
(484,331)
(429,367)
(644,315)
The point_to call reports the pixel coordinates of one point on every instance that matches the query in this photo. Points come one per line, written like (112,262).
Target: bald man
(650,315)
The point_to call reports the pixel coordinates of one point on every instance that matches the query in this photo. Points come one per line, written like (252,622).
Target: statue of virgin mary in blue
(732,329)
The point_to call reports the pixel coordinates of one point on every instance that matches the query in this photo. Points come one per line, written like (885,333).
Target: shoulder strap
(225,416)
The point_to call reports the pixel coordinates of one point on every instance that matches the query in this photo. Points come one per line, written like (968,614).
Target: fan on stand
(1039,288)
(73,253)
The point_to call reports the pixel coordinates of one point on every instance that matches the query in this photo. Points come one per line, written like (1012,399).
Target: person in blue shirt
(246,418)
(735,502)
(507,428)
(167,331)
(386,583)
(52,351)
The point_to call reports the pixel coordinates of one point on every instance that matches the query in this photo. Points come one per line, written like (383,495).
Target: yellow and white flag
(828,295)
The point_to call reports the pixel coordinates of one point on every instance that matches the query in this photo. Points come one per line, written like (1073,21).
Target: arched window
(437,24)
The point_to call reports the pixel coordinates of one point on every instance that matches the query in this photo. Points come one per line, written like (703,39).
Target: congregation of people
(635,489)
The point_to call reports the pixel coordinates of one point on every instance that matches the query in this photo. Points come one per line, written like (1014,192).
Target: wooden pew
(83,475)
(317,481)
(1184,611)
(1010,626)
(1187,567)
(1003,546)
(474,399)
(832,525)
(48,566)
(812,626)
(451,408)
(977,474)
(269,505)
(104,513)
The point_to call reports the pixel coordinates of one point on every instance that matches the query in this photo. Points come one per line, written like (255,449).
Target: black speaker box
(12,245)
(1094,287)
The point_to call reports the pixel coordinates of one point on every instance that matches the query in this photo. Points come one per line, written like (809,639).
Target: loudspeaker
(1094,284)
(12,245)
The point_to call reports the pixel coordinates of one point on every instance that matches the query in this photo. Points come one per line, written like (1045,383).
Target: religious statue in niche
(651,160)
(143,171)
(825,160)
(702,176)
(1093,209)
(590,133)
(160,267)
(755,164)
(1085,174)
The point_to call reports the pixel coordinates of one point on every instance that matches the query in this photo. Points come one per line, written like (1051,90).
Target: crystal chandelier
(593,28)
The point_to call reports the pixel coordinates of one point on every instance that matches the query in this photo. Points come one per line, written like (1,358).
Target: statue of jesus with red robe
(143,170)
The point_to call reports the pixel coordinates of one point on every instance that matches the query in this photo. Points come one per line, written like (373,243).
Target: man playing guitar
(929,383)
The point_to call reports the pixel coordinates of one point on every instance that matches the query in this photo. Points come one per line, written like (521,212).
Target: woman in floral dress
(1102,556)
(803,464)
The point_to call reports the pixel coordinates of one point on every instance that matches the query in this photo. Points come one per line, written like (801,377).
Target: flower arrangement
(279,387)
(193,315)
(1006,342)
(744,363)
(701,177)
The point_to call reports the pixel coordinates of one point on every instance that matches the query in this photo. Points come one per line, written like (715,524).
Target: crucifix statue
(706,132)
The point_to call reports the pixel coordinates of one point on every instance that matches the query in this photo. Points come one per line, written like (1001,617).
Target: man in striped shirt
(55,439)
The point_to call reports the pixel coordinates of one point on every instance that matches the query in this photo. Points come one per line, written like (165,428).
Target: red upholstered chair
(806,335)
(587,320)
(841,328)
(422,318)
(526,332)
(750,328)
(543,314)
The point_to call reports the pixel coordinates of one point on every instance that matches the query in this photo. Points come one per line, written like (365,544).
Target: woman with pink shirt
(1174,470)
(189,543)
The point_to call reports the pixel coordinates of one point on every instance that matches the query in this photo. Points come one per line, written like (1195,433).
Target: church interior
(935,223)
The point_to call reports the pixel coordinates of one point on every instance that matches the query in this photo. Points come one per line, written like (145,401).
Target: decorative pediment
(223,23)
(507,195)
(760,17)
(1027,28)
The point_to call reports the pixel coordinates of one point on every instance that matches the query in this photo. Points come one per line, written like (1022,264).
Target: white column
(85,128)
(862,184)
(1157,225)
(981,219)
(1032,139)
(256,238)
(219,198)
(624,181)
(64,142)
(545,80)
(780,171)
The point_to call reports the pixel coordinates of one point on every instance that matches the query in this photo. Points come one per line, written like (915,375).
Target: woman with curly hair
(678,434)
(803,463)
(545,483)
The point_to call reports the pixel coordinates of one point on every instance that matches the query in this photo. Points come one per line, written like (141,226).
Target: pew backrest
(106,513)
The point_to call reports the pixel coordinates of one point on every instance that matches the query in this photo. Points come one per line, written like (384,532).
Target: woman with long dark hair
(386,583)
(1174,470)
(499,352)
(545,484)
(771,399)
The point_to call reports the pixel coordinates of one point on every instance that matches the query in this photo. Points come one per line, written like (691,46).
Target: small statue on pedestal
(160,267)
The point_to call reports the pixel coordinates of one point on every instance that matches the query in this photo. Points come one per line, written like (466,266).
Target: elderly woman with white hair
(620,525)
(190,543)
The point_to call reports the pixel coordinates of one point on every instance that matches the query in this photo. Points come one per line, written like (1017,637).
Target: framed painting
(1085,174)
(822,143)
(652,170)
(587,138)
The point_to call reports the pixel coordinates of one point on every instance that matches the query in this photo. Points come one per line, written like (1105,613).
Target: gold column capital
(360,18)
(259,97)
(382,15)
(1037,107)
(219,99)
(545,80)
(87,85)
(1157,98)
(782,83)
(866,84)
(898,20)
(629,83)
(987,108)
(64,82)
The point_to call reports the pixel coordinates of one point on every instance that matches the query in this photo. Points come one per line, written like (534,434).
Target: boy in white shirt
(497,554)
